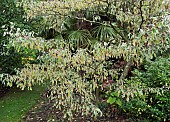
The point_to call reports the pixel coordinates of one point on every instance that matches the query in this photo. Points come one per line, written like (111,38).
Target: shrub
(154,103)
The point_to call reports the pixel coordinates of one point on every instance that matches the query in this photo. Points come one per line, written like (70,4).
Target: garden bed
(44,111)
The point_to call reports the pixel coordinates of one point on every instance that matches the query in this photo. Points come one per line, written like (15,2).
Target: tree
(12,21)
(10,15)
(130,22)
(139,30)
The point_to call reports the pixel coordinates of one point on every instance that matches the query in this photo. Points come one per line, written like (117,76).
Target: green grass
(16,103)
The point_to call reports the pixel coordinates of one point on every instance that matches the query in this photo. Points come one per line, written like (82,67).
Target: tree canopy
(94,47)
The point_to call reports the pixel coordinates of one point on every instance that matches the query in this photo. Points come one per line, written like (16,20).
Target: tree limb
(125,71)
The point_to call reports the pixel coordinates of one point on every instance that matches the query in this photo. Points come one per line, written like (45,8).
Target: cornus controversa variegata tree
(141,31)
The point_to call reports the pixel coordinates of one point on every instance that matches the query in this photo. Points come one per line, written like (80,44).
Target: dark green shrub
(154,104)
(12,18)
(11,12)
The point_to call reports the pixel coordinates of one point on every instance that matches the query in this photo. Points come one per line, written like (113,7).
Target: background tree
(12,20)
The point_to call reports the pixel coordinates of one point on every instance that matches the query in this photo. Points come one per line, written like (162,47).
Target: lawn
(16,103)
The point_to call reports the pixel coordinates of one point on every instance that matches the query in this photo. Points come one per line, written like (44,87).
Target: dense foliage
(89,50)
(155,82)
(12,22)
(9,14)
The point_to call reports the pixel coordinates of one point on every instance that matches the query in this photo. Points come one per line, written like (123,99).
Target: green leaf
(114,94)
(119,102)
(153,30)
(111,100)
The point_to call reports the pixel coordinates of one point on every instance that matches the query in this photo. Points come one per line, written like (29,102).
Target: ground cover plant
(88,52)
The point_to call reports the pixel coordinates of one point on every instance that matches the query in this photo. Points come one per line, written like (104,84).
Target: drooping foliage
(127,33)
